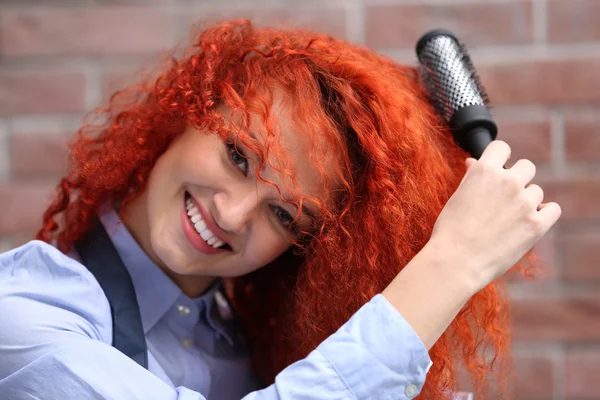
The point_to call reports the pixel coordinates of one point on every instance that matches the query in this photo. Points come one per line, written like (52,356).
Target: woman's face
(206,214)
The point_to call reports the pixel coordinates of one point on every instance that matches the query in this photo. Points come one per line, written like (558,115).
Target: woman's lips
(210,222)
(193,237)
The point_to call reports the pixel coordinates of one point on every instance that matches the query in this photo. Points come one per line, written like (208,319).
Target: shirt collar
(156,293)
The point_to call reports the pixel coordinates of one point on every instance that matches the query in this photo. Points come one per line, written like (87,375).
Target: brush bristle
(474,75)
(448,74)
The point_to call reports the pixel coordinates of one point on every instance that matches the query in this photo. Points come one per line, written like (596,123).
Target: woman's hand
(491,221)
(494,217)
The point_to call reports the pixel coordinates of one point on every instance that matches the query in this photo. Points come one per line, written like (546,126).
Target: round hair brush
(456,91)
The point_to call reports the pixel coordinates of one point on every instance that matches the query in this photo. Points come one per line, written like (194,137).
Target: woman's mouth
(197,232)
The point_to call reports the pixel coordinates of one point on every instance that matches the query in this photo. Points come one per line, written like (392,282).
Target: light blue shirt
(56,335)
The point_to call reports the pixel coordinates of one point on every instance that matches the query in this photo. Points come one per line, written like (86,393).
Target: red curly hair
(399,166)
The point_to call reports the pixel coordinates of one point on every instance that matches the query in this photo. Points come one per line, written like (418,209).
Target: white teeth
(200,225)
(206,234)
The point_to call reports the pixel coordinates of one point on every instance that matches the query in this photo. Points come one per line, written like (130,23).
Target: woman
(305,179)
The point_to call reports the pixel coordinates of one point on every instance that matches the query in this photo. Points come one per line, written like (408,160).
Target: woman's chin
(170,255)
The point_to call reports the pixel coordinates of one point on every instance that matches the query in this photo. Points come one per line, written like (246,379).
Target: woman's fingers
(548,214)
(469,162)
(496,153)
(524,171)
(535,194)
(495,216)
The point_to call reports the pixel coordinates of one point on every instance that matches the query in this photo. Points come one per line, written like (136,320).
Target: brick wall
(539,59)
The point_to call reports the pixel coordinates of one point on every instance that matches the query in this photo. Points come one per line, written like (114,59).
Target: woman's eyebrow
(305,209)
(308,212)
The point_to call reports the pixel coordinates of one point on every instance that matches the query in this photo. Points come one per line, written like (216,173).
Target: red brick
(535,377)
(578,198)
(557,319)
(582,371)
(117,80)
(41,92)
(546,268)
(545,250)
(543,82)
(582,136)
(527,139)
(10,242)
(390,26)
(573,21)
(580,249)
(38,155)
(87,31)
(22,205)
(330,20)
(42,2)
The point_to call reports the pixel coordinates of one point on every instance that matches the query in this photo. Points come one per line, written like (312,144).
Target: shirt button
(411,390)
(186,342)
(184,311)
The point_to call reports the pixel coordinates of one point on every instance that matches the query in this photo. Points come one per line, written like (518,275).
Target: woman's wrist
(455,264)
(430,291)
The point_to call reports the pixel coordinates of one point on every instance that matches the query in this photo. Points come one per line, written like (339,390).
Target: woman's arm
(55,334)
(55,328)
(494,217)
(429,293)
(56,331)
(375,355)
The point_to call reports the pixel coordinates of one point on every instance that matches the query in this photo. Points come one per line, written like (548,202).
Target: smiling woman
(208,212)
(277,210)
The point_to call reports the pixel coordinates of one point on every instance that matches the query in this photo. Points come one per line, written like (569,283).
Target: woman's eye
(237,157)
(284,218)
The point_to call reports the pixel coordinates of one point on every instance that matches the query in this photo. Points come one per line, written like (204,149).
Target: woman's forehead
(312,157)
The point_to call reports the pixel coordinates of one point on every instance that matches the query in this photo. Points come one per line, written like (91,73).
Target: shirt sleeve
(57,330)
(375,355)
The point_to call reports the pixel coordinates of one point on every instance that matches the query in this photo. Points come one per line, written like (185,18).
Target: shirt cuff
(378,354)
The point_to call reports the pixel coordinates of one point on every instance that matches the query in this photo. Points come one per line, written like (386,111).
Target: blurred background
(539,60)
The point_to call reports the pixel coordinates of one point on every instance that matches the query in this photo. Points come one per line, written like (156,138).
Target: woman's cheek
(269,245)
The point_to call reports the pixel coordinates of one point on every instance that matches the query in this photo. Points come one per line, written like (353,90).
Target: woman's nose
(235,209)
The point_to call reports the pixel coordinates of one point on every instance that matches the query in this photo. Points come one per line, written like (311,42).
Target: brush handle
(476,141)
(473,129)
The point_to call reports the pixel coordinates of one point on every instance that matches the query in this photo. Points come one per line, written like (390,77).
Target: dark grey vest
(100,257)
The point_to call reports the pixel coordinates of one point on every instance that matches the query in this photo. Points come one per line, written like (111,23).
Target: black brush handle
(473,129)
